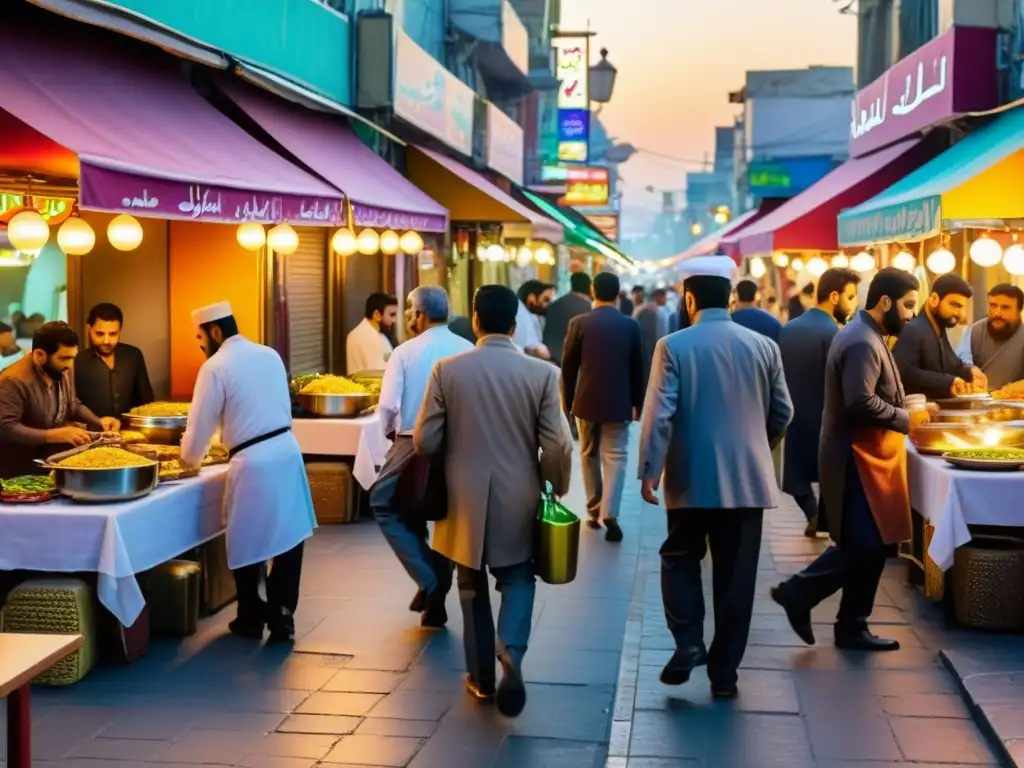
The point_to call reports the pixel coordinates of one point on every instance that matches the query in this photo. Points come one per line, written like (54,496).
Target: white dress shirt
(366,349)
(963,349)
(527,333)
(243,389)
(408,373)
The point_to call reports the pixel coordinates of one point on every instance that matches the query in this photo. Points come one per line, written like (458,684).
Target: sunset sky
(677,62)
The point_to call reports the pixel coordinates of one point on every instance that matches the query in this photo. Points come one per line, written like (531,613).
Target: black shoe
(679,667)
(511,696)
(593,524)
(419,601)
(251,630)
(724,692)
(282,627)
(811,531)
(799,618)
(862,639)
(479,692)
(435,615)
(613,532)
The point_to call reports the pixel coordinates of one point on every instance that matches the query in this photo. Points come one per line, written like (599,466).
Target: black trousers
(282,590)
(855,567)
(813,507)
(734,536)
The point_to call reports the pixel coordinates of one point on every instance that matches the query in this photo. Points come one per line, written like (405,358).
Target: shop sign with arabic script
(953,74)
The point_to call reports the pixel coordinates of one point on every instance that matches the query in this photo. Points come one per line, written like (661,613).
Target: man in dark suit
(603,387)
(805,342)
(564,309)
(928,365)
(749,314)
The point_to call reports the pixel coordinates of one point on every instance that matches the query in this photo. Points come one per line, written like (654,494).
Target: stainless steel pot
(105,485)
(337,406)
(161,430)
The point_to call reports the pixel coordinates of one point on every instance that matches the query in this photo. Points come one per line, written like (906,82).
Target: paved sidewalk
(798,707)
(365,685)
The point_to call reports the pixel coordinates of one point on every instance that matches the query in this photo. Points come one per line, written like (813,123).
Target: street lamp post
(602,80)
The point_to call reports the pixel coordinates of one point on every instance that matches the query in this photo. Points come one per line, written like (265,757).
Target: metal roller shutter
(306,286)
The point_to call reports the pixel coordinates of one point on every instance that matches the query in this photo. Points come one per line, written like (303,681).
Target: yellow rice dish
(104,458)
(334,385)
(161,409)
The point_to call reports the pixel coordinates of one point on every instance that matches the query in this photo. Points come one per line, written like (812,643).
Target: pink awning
(146,143)
(708,244)
(542,227)
(809,221)
(381,196)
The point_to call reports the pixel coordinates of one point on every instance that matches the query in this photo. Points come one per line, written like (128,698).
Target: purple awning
(381,196)
(146,142)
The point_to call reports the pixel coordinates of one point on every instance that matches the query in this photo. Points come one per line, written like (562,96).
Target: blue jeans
(518,587)
(427,568)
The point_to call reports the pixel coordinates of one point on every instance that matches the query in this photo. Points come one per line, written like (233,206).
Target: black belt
(256,441)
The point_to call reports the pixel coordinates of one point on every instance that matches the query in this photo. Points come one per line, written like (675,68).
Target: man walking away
(648,314)
(748,314)
(401,395)
(804,343)
(603,387)
(996,343)
(716,404)
(862,460)
(491,411)
(564,309)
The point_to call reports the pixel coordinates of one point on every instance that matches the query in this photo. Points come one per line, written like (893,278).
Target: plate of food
(174,470)
(27,489)
(987,459)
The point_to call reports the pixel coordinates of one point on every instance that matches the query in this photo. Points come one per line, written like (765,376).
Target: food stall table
(115,541)
(952,499)
(362,438)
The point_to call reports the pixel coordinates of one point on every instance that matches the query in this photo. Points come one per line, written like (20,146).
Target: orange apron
(881,459)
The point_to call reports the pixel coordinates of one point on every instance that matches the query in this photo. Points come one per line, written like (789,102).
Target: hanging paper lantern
(1013,260)
(283,239)
(124,232)
(344,242)
(797,265)
(905,260)
(28,231)
(941,261)
(368,242)
(524,257)
(863,262)
(251,236)
(757,268)
(780,260)
(494,252)
(389,242)
(840,261)
(986,252)
(544,255)
(817,266)
(411,243)
(75,237)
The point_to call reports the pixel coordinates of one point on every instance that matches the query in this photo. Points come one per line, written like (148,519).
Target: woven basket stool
(988,583)
(55,606)
(332,487)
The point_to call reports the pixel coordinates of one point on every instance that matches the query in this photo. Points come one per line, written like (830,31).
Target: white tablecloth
(951,499)
(115,541)
(362,438)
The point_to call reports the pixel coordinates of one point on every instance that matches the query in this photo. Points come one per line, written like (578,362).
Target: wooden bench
(22,658)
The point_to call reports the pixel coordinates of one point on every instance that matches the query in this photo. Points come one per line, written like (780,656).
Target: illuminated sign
(607,224)
(54,209)
(572,67)
(585,186)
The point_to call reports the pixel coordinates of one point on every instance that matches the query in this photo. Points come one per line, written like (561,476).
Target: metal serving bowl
(938,438)
(161,430)
(105,485)
(965,403)
(337,406)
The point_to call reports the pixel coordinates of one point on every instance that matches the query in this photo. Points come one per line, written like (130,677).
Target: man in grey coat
(492,411)
(804,343)
(562,310)
(716,404)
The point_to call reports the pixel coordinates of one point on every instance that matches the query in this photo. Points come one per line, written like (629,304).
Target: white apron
(267,503)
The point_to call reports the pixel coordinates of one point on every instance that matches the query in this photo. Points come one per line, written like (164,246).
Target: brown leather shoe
(479,692)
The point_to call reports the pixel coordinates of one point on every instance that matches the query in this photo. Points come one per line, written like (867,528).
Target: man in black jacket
(562,310)
(927,363)
(603,387)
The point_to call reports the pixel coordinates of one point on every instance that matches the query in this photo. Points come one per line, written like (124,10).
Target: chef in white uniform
(243,390)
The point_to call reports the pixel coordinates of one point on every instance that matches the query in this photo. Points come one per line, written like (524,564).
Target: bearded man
(996,343)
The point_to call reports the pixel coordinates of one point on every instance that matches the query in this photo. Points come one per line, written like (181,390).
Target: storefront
(491,230)
(159,181)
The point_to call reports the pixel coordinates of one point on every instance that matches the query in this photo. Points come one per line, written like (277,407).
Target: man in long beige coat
(496,414)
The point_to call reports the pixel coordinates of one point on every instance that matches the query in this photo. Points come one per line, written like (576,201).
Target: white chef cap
(211,313)
(708,266)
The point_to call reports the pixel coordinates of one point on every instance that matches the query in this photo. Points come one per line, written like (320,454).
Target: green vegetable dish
(28,484)
(988,454)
